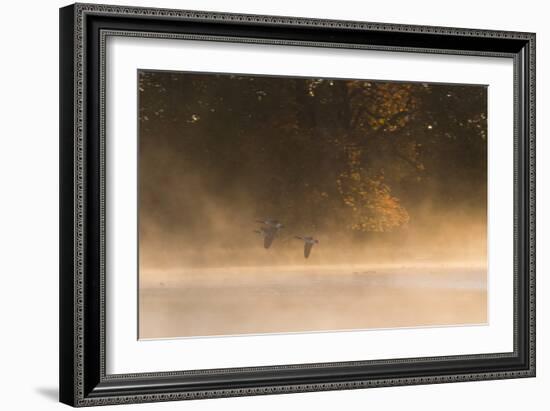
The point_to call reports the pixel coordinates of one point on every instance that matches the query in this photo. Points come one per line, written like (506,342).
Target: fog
(216,278)
(393,187)
(223,235)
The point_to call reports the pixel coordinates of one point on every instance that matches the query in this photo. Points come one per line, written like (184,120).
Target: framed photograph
(260,205)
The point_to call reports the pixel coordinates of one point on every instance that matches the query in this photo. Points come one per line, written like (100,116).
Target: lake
(246,300)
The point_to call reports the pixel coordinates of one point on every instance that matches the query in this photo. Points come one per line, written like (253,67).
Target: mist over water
(397,201)
(206,302)
(229,284)
(226,283)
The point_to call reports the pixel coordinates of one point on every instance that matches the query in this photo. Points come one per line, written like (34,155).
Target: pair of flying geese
(270,229)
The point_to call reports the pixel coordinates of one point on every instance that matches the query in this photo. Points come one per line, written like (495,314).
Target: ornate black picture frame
(83,379)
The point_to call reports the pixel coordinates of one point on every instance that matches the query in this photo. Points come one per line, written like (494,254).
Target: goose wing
(268,239)
(269,222)
(269,236)
(307,249)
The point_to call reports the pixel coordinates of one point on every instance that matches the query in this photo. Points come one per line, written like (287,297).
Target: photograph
(281,204)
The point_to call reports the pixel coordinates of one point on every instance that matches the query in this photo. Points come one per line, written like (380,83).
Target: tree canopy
(360,155)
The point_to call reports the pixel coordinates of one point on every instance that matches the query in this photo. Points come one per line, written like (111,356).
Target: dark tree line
(360,155)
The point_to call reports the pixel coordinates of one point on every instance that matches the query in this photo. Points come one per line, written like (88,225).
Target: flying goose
(269,230)
(308,244)
(268,233)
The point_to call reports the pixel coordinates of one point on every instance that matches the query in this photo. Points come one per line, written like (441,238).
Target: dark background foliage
(358,157)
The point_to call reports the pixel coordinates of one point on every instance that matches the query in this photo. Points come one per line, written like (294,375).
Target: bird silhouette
(309,242)
(269,231)
(268,234)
